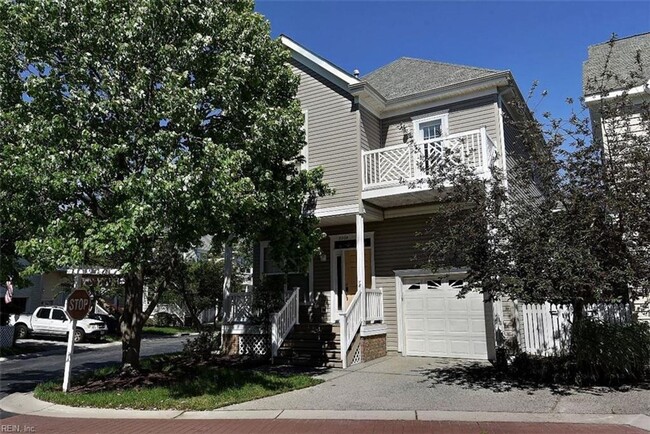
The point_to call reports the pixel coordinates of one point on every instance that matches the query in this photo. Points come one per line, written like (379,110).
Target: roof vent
(356,73)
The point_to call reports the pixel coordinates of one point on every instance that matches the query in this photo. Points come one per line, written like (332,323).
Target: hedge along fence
(547,327)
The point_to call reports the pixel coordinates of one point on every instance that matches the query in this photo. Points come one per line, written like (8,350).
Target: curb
(26,404)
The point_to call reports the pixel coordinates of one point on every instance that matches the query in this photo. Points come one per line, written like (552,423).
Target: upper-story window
(429,127)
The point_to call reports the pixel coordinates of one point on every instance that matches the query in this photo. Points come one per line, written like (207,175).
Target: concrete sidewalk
(397,390)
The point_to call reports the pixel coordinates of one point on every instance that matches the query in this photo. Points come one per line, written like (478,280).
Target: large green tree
(135,127)
(571,224)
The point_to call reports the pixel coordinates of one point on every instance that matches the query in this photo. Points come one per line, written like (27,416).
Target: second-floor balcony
(404,169)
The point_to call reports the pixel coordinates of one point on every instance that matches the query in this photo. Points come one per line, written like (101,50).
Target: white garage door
(438,324)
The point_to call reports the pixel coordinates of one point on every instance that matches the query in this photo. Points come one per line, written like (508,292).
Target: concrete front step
(308,361)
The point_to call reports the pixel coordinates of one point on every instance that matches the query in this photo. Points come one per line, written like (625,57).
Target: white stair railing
(374,305)
(283,321)
(350,322)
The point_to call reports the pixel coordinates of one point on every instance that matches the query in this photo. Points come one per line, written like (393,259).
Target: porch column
(227,275)
(361,264)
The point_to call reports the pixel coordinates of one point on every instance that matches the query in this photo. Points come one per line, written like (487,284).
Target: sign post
(77,306)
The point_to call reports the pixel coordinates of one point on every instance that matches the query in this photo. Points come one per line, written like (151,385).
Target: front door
(350,273)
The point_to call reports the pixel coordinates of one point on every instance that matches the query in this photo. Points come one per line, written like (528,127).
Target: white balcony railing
(395,165)
(239,307)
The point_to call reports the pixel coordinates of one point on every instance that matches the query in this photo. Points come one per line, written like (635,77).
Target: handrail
(283,321)
(438,139)
(350,321)
(374,305)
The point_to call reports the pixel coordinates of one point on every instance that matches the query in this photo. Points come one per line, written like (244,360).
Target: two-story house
(616,89)
(365,295)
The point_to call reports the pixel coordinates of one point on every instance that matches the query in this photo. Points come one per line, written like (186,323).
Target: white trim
(242,329)
(450,96)
(394,190)
(334,311)
(312,293)
(400,320)
(502,132)
(318,64)
(643,88)
(423,119)
(305,149)
(337,211)
(373,329)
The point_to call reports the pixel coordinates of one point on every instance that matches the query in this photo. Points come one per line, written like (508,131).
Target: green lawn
(173,385)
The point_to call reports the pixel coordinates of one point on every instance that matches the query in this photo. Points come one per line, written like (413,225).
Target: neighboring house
(44,289)
(373,220)
(616,78)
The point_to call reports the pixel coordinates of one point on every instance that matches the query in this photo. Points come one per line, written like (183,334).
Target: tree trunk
(131,322)
(196,323)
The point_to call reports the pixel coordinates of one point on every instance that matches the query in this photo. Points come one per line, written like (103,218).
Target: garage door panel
(478,325)
(436,325)
(456,306)
(434,305)
(460,348)
(458,325)
(415,325)
(440,325)
(436,346)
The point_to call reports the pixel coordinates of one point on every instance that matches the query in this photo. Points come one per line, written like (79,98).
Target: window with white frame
(294,279)
(430,127)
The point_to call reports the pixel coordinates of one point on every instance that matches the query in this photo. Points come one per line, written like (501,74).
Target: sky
(539,41)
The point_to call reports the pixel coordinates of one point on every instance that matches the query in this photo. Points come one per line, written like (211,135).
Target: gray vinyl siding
(333,135)
(370,130)
(394,249)
(520,189)
(463,116)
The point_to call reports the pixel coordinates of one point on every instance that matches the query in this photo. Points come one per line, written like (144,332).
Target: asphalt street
(22,373)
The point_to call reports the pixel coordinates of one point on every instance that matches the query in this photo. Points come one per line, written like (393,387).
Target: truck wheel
(79,335)
(22,331)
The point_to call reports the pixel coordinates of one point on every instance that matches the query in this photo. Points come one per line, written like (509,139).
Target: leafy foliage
(130,129)
(610,354)
(571,222)
(203,346)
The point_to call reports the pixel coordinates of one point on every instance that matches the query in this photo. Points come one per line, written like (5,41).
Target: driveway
(414,383)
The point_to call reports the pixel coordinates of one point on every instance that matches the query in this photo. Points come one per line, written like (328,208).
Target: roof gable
(618,57)
(408,76)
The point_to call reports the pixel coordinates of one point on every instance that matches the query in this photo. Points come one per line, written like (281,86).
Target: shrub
(201,347)
(541,369)
(609,354)
(164,319)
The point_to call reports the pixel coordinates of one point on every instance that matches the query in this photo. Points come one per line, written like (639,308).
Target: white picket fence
(547,327)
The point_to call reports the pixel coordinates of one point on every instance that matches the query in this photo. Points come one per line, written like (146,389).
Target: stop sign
(78,304)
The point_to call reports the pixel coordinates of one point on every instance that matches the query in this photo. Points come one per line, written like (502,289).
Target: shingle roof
(407,76)
(618,58)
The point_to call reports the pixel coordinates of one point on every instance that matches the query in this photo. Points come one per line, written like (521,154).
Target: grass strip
(206,388)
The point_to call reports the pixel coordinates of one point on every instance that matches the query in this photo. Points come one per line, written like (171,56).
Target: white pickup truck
(54,321)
